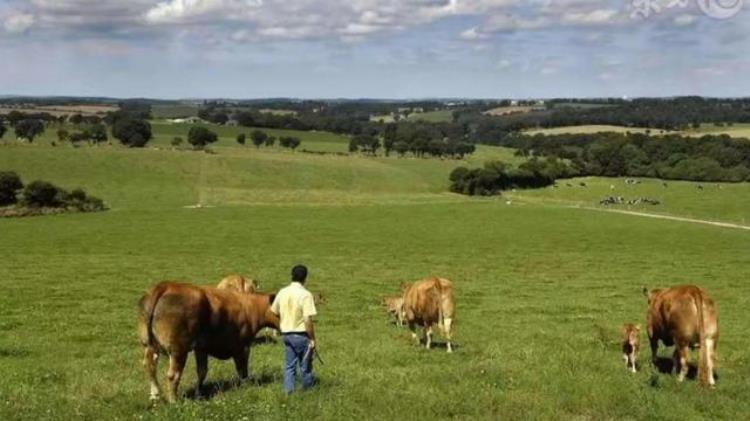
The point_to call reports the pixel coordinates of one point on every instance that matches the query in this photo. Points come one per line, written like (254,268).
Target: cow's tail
(148,304)
(705,352)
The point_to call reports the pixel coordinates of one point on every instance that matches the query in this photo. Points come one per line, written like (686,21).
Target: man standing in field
(295,307)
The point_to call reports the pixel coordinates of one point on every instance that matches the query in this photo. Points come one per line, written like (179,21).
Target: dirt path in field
(669,217)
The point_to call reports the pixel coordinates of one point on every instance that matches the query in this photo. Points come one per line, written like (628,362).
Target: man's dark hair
(299,273)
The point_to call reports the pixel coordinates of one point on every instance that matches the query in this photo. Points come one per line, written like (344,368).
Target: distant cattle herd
(175,319)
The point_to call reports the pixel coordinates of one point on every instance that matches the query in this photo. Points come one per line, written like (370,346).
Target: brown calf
(631,342)
(395,307)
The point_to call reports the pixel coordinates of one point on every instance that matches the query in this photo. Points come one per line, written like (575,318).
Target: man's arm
(308,311)
(310,329)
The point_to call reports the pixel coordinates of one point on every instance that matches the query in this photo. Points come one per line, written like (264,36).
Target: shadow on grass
(441,345)
(213,388)
(666,365)
(14,353)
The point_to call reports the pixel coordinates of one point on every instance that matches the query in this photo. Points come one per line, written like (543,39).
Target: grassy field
(736,130)
(541,286)
(159,111)
(594,128)
(438,116)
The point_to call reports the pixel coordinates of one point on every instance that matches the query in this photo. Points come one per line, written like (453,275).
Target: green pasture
(736,130)
(542,286)
(438,116)
(722,202)
(595,128)
(160,111)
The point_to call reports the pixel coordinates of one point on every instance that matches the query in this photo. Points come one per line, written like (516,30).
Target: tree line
(717,158)
(128,124)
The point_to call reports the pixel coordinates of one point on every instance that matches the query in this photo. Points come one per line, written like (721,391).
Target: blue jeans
(296,346)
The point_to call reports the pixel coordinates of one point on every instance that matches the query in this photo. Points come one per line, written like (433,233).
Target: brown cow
(631,342)
(395,307)
(238,283)
(176,318)
(684,316)
(428,302)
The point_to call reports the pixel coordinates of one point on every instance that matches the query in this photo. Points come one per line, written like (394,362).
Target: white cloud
(179,11)
(472,34)
(18,23)
(595,17)
(504,64)
(685,20)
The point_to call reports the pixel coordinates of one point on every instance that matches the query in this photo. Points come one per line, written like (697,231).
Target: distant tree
(220,118)
(62,135)
(289,142)
(29,129)
(3,129)
(98,133)
(364,142)
(241,138)
(390,136)
(258,137)
(245,118)
(10,184)
(77,137)
(199,137)
(270,140)
(134,133)
(176,141)
(401,148)
(14,117)
(76,119)
(42,194)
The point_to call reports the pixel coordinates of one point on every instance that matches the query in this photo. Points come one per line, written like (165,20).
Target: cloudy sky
(375,48)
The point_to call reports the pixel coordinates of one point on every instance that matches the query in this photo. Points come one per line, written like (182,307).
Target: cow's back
(674,314)
(426,299)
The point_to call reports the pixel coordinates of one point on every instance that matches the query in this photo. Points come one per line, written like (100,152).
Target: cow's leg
(448,331)
(711,349)
(681,354)
(413,329)
(176,367)
(654,342)
(201,366)
(150,360)
(428,336)
(631,362)
(241,360)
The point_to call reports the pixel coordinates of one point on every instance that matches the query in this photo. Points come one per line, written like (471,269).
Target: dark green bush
(10,183)
(41,194)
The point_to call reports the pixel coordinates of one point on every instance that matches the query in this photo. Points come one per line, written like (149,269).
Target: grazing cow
(394,306)
(238,283)
(684,316)
(631,342)
(428,302)
(176,318)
